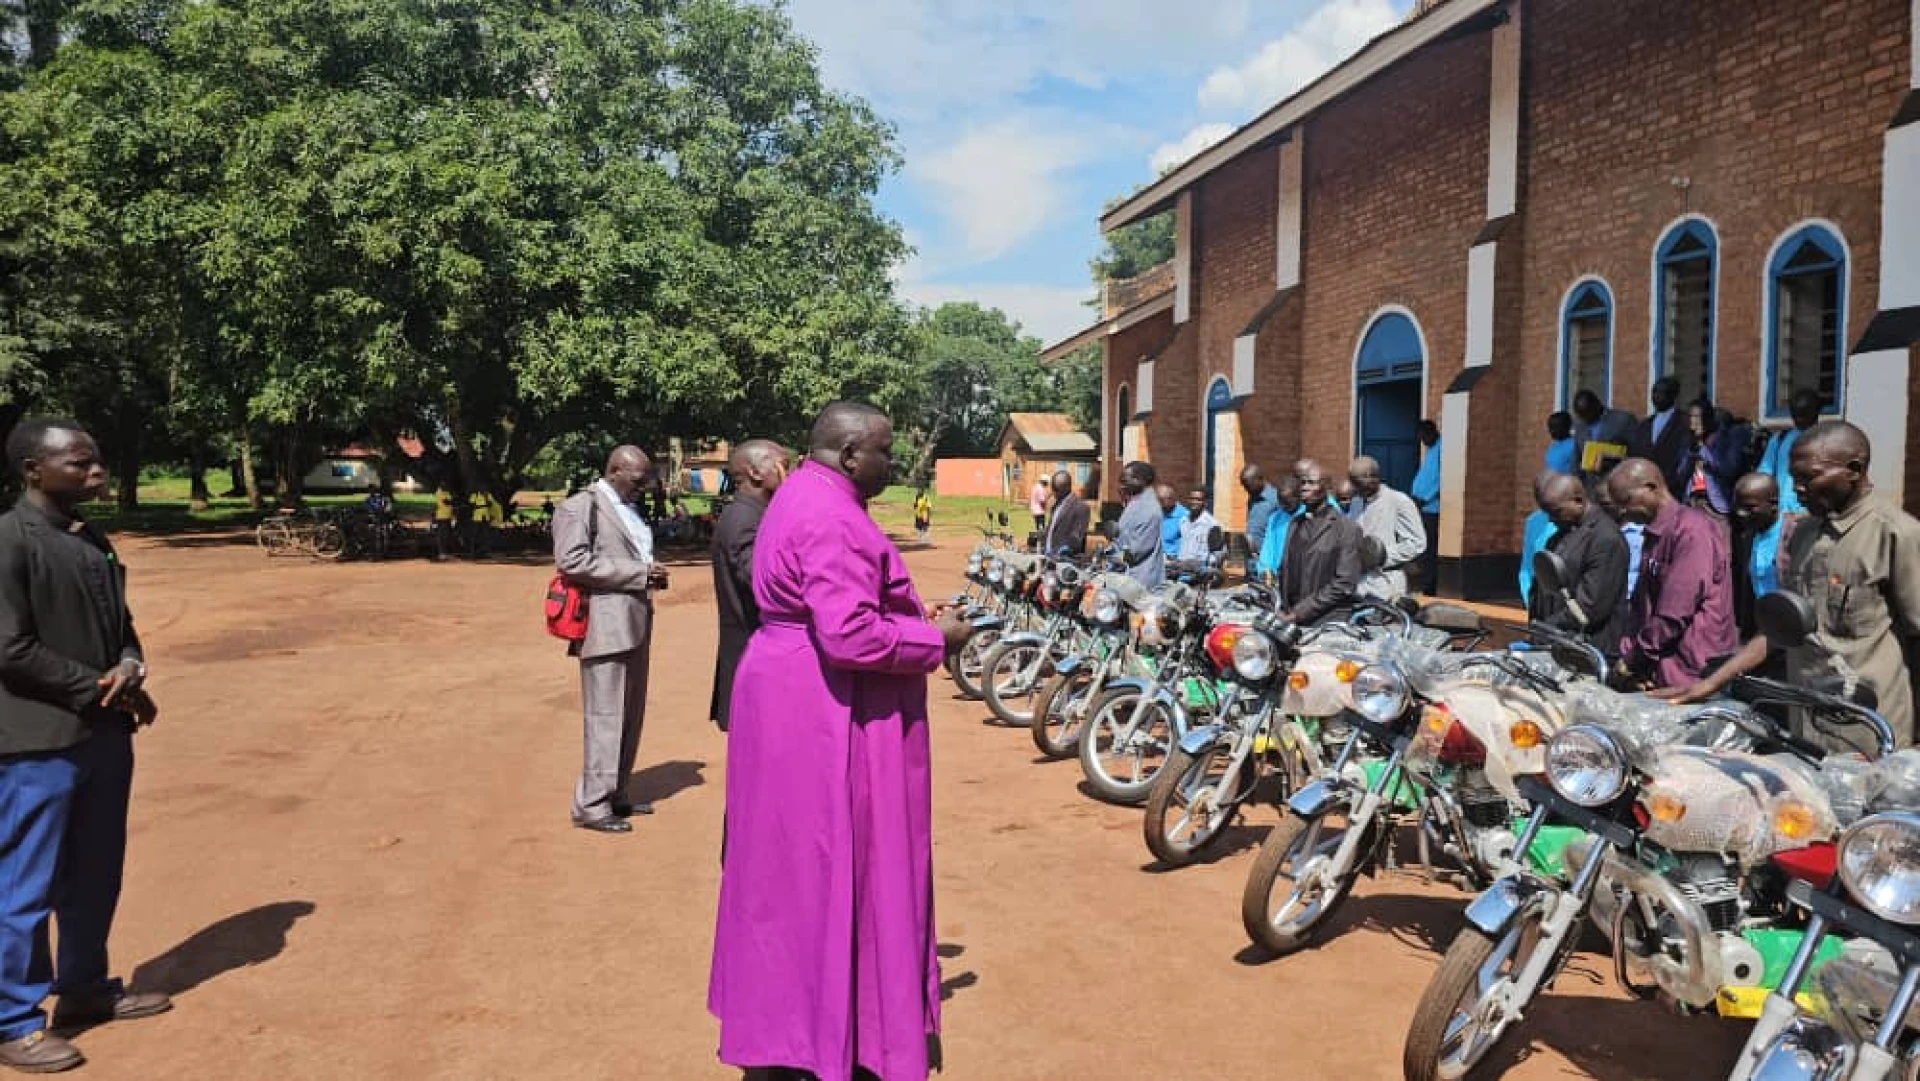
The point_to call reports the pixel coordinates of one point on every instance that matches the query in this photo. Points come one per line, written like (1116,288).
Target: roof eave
(1108,327)
(1373,58)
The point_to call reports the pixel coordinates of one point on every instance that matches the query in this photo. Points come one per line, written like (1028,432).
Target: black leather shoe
(609,824)
(628,810)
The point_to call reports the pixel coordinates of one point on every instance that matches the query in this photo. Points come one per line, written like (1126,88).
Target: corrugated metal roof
(1061,443)
(1032,424)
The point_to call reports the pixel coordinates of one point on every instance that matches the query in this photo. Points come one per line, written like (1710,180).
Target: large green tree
(490,222)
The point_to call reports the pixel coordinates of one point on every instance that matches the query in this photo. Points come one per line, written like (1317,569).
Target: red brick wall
(1234,234)
(1173,434)
(1395,194)
(1775,110)
(1125,350)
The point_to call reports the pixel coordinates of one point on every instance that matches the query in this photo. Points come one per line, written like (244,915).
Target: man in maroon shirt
(1682,622)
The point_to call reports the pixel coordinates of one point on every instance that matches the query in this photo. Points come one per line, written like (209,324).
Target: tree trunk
(127,471)
(249,482)
(198,497)
(43,31)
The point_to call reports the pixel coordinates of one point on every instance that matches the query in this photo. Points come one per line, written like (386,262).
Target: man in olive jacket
(71,693)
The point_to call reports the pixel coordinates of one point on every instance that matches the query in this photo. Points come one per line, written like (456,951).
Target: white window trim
(1654,330)
(1560,387)
(1767,315)
(1353,367)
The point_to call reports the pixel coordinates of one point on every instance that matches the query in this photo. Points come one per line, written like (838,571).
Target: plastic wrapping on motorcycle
(1640,724)
(1853,992)
(1490,713)
(1856,787)
(1732,804)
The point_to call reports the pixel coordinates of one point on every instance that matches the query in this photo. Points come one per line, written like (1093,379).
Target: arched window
(1806,318)
(1389,373)
(1586,342)
(1684,269)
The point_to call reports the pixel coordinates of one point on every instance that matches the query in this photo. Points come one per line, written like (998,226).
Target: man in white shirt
(1194,532)
(1391,518)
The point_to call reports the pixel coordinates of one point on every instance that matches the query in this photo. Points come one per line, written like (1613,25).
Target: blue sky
(1019,119)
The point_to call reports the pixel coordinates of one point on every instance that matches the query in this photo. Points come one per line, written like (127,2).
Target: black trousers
(1430,576)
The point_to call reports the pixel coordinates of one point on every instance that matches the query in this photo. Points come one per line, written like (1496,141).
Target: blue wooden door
(1388,381)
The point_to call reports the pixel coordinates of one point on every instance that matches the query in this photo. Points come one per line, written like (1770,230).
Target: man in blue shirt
(1805,407)
(1173,517)
(1562,451)
(1760,532)
(1262,501)
(1426,494)
(1274,548)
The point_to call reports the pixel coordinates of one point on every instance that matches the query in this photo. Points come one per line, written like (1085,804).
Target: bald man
(757,468)
(1760,533)
(1393,519)
(1681,619)
(602,545)
(1857,558)
(1596,557)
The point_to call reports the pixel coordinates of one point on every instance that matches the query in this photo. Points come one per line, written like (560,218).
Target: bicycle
(299,533)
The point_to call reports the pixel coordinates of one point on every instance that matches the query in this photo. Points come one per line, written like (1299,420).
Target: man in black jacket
(757,468)
(71,693)
(1324,559)
(1596,557)
(1664,437)
(1067,526)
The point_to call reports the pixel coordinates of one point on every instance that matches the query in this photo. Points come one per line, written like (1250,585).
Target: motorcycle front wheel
(1288,896)
(1193,802)
(1461,1018)
(1124,744)
(1060,712)
(969,660)
(1010,680)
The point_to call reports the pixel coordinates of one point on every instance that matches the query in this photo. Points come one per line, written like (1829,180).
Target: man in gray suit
(1139,539)
(601,544)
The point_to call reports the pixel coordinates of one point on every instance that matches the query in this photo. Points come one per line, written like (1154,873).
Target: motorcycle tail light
(1525,735)
(1664,807)
(1346,670)
(1220,642)
(1460,748)
(1299,680)
(1813,864)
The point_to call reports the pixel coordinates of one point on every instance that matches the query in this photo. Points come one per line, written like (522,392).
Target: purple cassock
(823,957)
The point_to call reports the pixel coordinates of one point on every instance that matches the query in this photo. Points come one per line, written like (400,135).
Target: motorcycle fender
(1201,738)
(1023,639)
(1314,798)
(987,623)
(1131,683)
(1493,911)
(1070,664)
(1162,695)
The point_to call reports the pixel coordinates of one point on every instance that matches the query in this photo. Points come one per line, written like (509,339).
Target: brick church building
(1501,202)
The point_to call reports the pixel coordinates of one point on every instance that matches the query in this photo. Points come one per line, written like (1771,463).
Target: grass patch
(960,514)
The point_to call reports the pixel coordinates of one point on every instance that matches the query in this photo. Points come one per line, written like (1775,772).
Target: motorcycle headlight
(973,564)
(1253,656)
(993,572)
(1586,765)
(1379,693)
(1879,861)
(1106,607)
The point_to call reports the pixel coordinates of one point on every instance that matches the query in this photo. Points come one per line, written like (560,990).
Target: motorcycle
(1018,666)
(1692,812)
(1010,575)
(1437,739)
(1107,654)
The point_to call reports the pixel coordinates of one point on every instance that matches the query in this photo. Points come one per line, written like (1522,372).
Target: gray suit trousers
(613,690)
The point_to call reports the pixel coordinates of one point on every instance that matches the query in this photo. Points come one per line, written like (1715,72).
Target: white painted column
(1877,402)
(1453,474)
(1183,258)
(1109,434)
(1287,230)
(1503,121)
(1143,394)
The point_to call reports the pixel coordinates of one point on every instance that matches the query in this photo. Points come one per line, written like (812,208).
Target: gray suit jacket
(592,549)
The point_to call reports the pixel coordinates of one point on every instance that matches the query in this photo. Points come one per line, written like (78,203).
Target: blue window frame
(1586,343)
(1806,319)
(1219,399)
(1684,292)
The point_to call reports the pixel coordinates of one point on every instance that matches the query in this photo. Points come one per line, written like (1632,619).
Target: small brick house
(1034,446)
(1501,202)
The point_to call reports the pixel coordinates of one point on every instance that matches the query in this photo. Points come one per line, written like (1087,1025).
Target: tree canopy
(489,222)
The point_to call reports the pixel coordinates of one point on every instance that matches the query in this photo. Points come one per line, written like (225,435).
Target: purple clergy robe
(823,956)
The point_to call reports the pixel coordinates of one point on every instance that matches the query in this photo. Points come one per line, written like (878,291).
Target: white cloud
(1003,181)
(1051,313)
(1332,33)
(1168,155)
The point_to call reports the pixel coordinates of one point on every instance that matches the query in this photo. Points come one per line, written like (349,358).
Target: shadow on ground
(249,938)
(665,780)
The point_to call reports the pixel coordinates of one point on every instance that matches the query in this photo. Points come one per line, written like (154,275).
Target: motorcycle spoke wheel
(1465,1011)
(1124,744)
(1060,713)
(1012,679)
(1291,889)
(970,660)
(1191,805)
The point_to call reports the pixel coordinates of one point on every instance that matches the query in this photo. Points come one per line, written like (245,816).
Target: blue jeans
(63,845)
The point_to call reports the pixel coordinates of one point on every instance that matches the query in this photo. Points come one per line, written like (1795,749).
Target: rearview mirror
(1216,539)
(1785,617)
(1003,519)
(1550,571)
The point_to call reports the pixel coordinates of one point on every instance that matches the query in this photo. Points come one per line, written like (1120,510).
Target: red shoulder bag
(566,606)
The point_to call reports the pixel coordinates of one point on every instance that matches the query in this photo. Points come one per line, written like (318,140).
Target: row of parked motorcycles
(1756,856)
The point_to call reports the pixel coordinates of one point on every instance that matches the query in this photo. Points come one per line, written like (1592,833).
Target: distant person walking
(1037,503)
(443,522)
(922,515)
(72,691)
(757,466)
(601,544)
(1426,495)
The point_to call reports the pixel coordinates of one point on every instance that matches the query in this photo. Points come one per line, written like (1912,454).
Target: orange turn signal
(1794,820)
(1666,808)
(1525,735)
(1346,670)
(1299,680)
(1436,719)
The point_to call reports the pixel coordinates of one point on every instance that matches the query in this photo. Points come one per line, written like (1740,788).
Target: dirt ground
(351,859)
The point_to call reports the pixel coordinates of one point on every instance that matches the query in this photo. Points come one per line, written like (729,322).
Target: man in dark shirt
(1681,618)
(71,693)
(1066,529)
(1596,557)
(757,467)
(1323,565)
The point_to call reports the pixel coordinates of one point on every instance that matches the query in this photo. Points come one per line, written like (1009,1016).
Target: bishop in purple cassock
(823,956)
